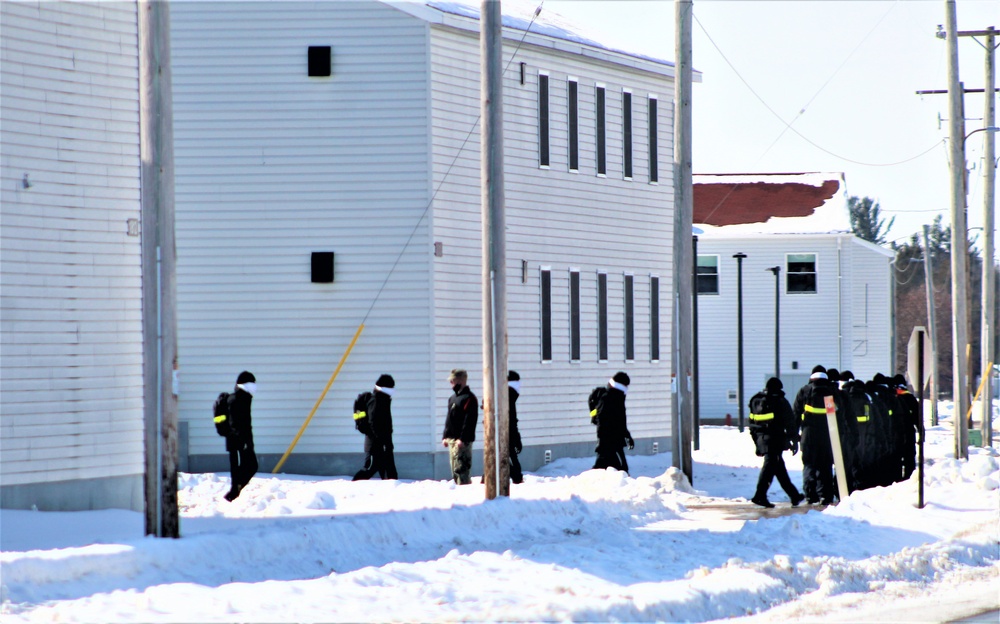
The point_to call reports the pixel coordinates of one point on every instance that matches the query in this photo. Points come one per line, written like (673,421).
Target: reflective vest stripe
(593,412)
(359,415)
(219,419)
(813,410)
(863,419)
(769,416)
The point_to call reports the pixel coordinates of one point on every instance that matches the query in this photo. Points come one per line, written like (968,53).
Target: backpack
(760,405)
(595,402)
(220,414)
(362,422)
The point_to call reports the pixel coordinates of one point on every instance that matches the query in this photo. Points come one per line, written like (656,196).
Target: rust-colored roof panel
(723,203)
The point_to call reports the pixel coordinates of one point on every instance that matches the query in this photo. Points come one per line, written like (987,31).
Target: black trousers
(242,465)
(774,466)
(378,458)
(515,467)
(611,457)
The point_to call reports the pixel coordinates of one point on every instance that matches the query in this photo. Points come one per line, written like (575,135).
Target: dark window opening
(546,316)
(629,318)
(602,165)
(654,318)
(654,175)
(543,120)
(627,133)
(574,316)
(602,316)
(574,128)
(801,274)
(708,275)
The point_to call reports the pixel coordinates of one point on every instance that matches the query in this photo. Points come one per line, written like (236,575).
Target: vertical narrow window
(574,127)
(654,175)
(574,315)
(546,315)
(627,133)
(602,161)
(602,317)
(629,318)
(543,120)
(654,318)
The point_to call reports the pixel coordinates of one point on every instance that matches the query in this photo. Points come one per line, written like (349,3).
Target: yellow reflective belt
(813,410)
(863,418)
(593,413)
(359,415)
(769,416)
(219,419)
(867,415)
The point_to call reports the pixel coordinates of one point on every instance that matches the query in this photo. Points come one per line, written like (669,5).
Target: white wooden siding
(554,218)
(273,165)
(70,312)
(871,310)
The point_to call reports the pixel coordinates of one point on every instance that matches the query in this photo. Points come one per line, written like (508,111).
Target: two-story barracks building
(352,128)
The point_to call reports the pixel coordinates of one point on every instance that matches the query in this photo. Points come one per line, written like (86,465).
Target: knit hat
(880,379)
(622,378)
(246,377)
(833,374)
(819,369)
(774,384)
(513,376)
(385,381)
(899,380)
(846,376)
(818,372)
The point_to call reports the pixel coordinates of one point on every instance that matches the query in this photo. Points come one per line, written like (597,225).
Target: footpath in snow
(570,544)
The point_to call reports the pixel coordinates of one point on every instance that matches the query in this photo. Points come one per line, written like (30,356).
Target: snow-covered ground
(570,544)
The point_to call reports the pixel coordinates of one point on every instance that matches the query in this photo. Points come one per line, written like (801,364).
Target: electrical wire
(447,172)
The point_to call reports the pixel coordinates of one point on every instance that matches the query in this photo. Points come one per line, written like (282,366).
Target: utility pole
(988,327)
(931,323)
(159,282)
(682,256)
(496,466)
(739,333)
(959,238)
(777,320)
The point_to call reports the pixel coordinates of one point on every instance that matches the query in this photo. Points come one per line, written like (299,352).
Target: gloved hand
(795,447)
(630,442)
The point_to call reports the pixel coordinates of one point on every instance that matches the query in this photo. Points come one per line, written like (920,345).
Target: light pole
(777,316)
(739,333)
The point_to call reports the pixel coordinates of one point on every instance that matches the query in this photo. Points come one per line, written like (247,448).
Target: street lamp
(739,333)
(777,315)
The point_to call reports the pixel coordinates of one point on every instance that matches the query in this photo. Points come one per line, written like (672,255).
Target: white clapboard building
(71,377)
(832,293)
(320,141)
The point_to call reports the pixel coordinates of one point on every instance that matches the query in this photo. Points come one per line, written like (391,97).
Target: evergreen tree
(866,220)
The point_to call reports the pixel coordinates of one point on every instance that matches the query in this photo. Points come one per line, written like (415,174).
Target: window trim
(574,315)
(544,130)
(628,157)
(545,311)
(653,125)
(602,316)
(573,122)
(601,129)
(629,311)
(654,317)
(718,268)
(815,273)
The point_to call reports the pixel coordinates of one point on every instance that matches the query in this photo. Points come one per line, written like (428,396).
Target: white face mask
(249,387)
(386,391)
(516,385)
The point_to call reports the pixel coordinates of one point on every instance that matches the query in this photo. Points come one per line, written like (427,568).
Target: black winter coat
(463,414)
(513,435)
(612,425)
(775,434)
(815,432)
(380,417)
(241,434)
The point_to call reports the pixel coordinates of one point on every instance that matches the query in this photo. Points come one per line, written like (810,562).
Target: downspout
(840,306)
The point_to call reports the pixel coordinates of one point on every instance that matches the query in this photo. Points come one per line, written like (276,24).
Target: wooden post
(988,325)
(931,314)
(838,452)
(159,286)
(496,466)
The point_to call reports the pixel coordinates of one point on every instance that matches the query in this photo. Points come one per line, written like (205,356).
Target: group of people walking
(878,428)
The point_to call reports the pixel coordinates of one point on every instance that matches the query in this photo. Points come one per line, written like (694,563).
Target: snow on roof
(520,14)
(737,205)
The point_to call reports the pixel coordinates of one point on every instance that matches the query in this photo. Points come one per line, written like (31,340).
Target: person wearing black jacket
(514,436)
(817,452)
(858,404)
(378,435)
(772,425)
(612,426)
(460,426)
(912,429)
(889,467)
(239,441)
